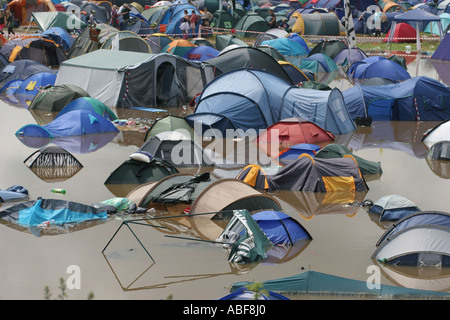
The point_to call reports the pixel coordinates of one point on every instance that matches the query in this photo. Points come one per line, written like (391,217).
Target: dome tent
(393,207)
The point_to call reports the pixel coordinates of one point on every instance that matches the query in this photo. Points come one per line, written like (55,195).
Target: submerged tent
(416,99)
(169,123)
(313,175)
(31,85)
(131,79)
(20,70)
(13,193)
(317,283)
(292,131)
(335,150)
(54,98)
(393,207)
(176,148)
(90,104)
(255,99)
(419,239)
(438,133)
(51,156)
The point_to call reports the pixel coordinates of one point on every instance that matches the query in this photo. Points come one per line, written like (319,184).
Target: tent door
(381,109)
(166,85)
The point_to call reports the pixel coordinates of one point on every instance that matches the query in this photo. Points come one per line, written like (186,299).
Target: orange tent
(22,9)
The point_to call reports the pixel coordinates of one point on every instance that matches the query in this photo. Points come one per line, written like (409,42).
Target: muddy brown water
(344,237)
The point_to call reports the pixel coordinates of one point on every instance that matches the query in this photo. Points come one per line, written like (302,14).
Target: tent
(245,240)
(245,294)
(255,99)
(250,24)
(201,53)
(118,78)
(55,97)
(393,207)
(287,47)
(317,283)
(232,194)
(417,99)
(329,47)
(296,75)
(293,131)
(102,15)
(318,62)
(20,70)
(415,16)
(178,47)
(269,35)
(280,228)
(335,150)
(126,41)
(292,153)
(433,27)
(274,53)
(169,123)
(380,67)
(171,19)
(22,9)
(91,39)
(64,20)
(438,133)
(246,57)
(90,104)
(59,212)
(349,56)
(60,36)
(316,23)
(418,239)
(72,123)
(137,24)
(225,40)
(140,170)
(315,175)
(172,190)
(31,85)
(176,148)
(223,19)
(442,51)
(157,41)
(403,32)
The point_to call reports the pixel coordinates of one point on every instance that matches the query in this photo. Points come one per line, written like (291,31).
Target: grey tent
(134,79)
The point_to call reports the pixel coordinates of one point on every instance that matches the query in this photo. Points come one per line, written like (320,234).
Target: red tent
(293,131)
(403,32)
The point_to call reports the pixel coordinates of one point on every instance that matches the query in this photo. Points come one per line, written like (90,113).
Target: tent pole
(418,37)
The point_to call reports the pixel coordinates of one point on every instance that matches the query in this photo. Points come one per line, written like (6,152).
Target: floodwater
(344,237)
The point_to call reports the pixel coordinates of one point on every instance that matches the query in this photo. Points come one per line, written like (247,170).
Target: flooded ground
(343,239)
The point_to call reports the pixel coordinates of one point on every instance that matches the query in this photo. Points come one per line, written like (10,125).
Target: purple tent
(443,50)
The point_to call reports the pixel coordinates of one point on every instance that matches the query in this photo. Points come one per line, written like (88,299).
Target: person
(91,20)
(207,17)
(9,22)
(284,25)
(125,12)
(184,26)
(364,17)
(193,21)
(377,23)
(273,19)
(2,21)
(115,16)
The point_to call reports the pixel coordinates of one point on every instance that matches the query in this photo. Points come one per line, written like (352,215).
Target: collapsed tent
(292,131)
(317,283)
(311,175)
(62,213)
(255,99)
(176,148)
(416,99)
(140,169)
(419,239)
(335,150)
(393,207)
(130,79)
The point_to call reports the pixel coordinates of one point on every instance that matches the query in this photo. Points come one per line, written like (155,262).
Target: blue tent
(59,36)
(416,99)
(21,69)
(31,85)
(378,67)
(246,294)
(280,228)
(201,53)
(287,47)
(297,150)
(318,62)
(299,39)
(171,18)
(90,104)
(73,123)
(255,99)
(393,207)
(443,50)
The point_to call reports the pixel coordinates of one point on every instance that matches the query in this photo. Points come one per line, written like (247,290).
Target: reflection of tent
(129,79)
(294,131)
(176,148)
(439,151)
(419,239)
(393,207)
(317,175)
(316,283)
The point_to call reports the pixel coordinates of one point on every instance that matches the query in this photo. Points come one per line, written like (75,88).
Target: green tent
(335,150)
(250,25)
(65,20)
(55,98)
(223,20)
(225,40)
(329,47)
(169,123)
(251,244)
